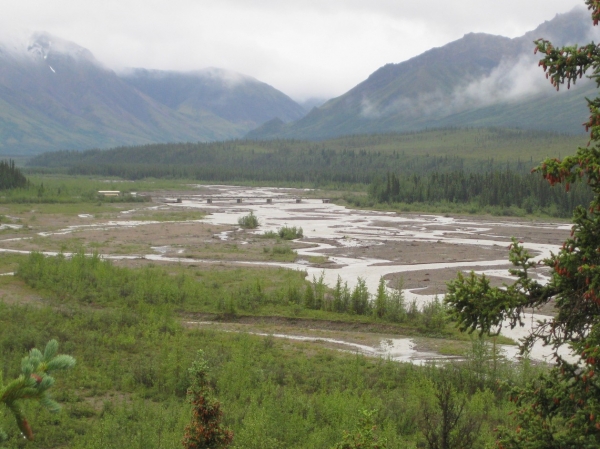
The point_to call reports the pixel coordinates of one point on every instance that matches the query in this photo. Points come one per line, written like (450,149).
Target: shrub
(249,221)
(292,233)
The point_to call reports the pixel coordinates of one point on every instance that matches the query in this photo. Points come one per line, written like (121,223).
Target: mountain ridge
(55,95)
(477,80)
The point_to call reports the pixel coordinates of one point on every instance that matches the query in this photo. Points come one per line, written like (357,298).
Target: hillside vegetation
(345,159)
(477,80)
(473,167)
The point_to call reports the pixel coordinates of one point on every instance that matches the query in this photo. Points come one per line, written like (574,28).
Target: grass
(127,388)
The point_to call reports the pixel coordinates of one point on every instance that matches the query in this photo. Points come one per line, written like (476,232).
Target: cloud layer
(304,47)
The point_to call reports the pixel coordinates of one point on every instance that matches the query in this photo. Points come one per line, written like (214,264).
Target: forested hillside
(55,95)
(345,159)
(481,167)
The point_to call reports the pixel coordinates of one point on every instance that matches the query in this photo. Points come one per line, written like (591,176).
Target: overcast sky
(305,48)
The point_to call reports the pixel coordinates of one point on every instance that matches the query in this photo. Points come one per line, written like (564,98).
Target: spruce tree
(381,300)
(33,384)
(205,430)
(560,409)
(338,304)
(309,297)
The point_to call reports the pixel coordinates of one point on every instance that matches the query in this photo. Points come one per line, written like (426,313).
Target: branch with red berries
(33,384)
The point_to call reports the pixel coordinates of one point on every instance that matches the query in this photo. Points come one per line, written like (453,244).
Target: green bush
(292,233)
(249,221)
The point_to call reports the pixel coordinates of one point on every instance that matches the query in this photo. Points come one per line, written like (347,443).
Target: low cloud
(509,82)
(513,80)
(227,77)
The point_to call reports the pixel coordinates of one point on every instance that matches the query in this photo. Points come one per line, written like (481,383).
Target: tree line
(10,176)
(504,188)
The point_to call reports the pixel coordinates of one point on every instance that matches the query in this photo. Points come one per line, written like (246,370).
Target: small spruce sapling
(205,429)
(33,384)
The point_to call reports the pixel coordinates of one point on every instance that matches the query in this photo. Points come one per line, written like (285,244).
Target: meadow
(133,350)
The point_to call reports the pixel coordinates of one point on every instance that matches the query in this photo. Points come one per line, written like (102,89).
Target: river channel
(424,251)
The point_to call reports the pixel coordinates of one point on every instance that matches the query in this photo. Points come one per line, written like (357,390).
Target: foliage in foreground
(560,409)
(33,384)
(364,437)
(129,385)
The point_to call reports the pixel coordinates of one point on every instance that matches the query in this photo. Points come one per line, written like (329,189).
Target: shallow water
(347,228)
(356,228)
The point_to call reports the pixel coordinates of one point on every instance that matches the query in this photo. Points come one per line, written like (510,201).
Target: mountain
(478,80)
(55,95)
(237,98)
(313,102)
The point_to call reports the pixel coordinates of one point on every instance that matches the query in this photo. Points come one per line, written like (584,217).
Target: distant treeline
(283,160)
(496,188)
(10,176)
(483,167)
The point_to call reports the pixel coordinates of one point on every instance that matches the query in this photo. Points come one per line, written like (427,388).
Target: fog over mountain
(55,95)
(235,97)
(478,80)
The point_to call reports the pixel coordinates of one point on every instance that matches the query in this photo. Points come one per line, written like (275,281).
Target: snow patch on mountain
(41,46)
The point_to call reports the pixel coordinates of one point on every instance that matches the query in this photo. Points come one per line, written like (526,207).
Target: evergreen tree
(446,423)
(395,310)
(346,297)
(33,384)
(381,300)
(560,409)
(319,288)
(338,304)
(360,298)
(10,176)
(309,297)
(204,430)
